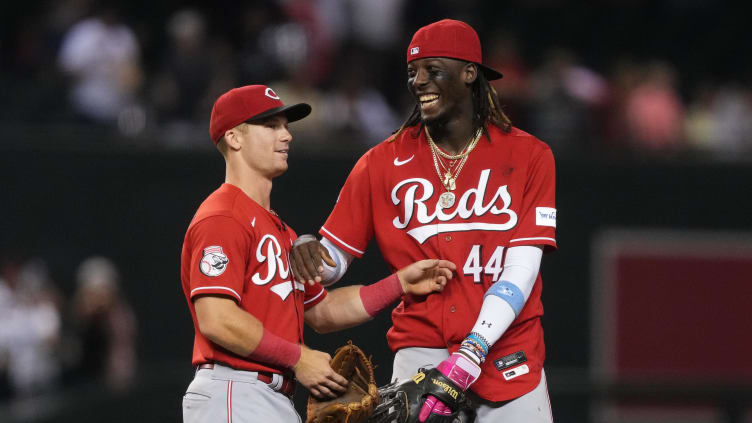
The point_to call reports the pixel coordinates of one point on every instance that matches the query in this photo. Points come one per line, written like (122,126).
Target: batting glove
(459,369)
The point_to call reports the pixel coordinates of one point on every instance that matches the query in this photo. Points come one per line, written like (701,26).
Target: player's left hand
(307,257)
(426,276)
(460,370)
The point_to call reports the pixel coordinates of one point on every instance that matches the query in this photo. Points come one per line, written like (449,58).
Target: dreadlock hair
(486,108)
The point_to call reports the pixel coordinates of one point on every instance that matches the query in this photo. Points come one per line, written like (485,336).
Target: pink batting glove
(460,370)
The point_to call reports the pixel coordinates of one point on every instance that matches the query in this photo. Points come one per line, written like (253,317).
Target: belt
(287,386)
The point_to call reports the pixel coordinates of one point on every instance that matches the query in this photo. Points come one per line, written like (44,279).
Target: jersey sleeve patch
(545,216)
(214,261)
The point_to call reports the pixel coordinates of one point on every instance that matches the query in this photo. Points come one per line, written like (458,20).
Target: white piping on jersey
(285,288)
(422,233)
(542,238)
(314,298)
(342,242)
(215,287)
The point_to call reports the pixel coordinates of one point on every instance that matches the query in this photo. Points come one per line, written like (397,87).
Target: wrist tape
(274,350)
(378,296)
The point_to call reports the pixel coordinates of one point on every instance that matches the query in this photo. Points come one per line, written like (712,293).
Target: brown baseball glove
(362,395)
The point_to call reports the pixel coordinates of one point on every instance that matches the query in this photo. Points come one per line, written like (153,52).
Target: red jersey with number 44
(236,248)
(504,197)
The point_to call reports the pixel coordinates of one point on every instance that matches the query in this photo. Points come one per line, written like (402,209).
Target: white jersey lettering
(274,262)
(413,202)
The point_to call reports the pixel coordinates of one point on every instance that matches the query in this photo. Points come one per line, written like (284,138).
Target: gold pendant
(446,200)
(451,186)
(447,179)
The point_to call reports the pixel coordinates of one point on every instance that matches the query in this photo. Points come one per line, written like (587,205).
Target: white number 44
(474,267)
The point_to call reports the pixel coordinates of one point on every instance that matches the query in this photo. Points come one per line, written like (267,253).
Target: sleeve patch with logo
(214,262)
(545,216)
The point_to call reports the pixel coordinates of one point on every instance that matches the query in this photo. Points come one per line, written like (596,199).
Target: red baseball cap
(250,103)
(452,39)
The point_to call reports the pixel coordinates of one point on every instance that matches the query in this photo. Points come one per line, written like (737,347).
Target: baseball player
(247,311)
(456,181)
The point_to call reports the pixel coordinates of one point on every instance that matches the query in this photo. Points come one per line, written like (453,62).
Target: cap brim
(489,73)
(293,112)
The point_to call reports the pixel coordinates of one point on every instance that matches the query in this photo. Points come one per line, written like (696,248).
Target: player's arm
(502,303)
(352,305)
(221,321)
(505,299)
(321,261)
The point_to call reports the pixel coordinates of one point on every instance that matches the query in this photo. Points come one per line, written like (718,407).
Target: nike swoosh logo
(397,161)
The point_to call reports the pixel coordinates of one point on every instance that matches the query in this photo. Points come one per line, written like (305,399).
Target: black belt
(288,384)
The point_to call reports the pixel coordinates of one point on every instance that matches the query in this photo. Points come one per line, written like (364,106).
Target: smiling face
(442,87)
(266,145)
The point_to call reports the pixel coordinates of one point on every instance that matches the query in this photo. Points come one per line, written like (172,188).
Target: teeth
(428,98)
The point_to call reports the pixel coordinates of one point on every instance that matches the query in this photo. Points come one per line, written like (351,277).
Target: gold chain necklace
(449,179)
(465,151)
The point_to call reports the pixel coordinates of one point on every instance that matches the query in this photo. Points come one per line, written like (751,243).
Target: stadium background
(645,104)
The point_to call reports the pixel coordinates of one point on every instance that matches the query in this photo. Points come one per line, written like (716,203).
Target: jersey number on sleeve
(474,266)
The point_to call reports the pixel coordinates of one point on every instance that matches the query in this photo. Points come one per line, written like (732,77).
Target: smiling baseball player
(456,181)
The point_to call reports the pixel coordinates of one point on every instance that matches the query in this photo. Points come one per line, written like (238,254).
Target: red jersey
(236,248)
(504,198)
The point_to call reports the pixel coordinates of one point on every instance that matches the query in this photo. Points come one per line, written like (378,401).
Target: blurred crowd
(50,341)
(152,71)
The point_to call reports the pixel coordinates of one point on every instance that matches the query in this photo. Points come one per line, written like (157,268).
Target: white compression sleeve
(343,260)
(498,312)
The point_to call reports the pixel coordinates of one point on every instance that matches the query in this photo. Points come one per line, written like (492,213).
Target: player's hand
(460,370)
(315,374)
(307,257)
(426,276)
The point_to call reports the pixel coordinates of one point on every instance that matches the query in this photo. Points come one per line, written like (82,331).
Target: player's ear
(232,138)
(469,73)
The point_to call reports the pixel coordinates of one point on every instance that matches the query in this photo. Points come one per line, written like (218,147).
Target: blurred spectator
(29,327)
(183,78)
(354,107)
(503,53)
(563,94)
(101,55)
(304,38)
(377,24)
(265,41)
(654,111)
(106,325)
(180,87)
(717,121)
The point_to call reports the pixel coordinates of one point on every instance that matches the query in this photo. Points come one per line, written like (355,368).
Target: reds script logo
(471,203)
(270,252)
(214,262)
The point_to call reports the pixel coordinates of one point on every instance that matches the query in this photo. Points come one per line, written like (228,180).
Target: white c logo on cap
(271,94)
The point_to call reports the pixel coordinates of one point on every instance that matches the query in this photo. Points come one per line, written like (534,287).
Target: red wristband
(378,296)
(274,350)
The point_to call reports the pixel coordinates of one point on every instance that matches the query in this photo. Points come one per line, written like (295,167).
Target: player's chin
(280,168)
(428,117)
(432,114)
